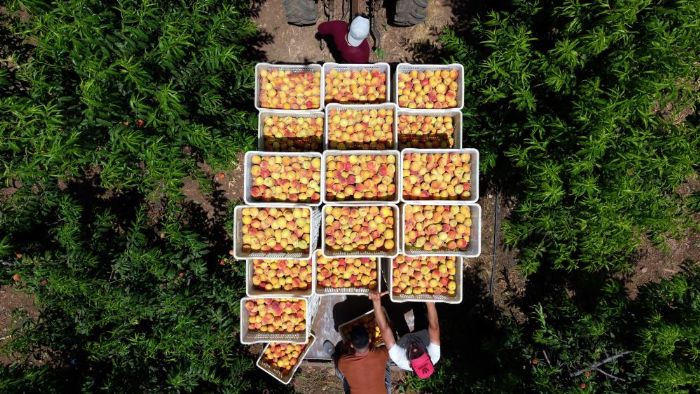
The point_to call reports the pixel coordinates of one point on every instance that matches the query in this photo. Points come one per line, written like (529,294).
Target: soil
(654,264)
(507,284)
(229,184)
(16,307)
(321,378)
(294,44)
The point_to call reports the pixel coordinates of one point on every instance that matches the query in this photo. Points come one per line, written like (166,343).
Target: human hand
(375,296)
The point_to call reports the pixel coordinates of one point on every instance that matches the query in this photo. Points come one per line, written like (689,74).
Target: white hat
(359,30)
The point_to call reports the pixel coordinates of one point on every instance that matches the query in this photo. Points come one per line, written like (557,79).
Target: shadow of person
(331,46)
(351,308)
(403,315)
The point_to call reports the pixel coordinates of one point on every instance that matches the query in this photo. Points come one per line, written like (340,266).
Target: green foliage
(122,102)
(588,104)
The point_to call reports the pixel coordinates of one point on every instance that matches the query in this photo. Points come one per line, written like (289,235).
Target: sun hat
(359,30)
(422,366)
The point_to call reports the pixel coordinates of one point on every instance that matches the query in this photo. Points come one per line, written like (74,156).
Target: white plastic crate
(345,107)
(474,247)
(473,168)
(248,181)
(252,291)
(407,67)
(455,114)
(382,67)
(292,68)
(376,338)
(249,337)
(322,291)
(397,175)
(392,253)
(268,113)
(282,378)
(315,216)
(456,299)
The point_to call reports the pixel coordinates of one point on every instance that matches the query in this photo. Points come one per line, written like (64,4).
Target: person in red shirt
(351,43)
(362,368)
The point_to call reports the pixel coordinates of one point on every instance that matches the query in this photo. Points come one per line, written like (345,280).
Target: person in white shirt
(416,351)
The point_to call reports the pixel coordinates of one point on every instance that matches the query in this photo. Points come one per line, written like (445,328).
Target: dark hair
(415,349)
(359,337)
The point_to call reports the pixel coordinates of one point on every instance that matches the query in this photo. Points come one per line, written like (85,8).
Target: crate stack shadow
(359,184)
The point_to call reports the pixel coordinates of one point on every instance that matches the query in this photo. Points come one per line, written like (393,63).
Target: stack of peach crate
(381,181)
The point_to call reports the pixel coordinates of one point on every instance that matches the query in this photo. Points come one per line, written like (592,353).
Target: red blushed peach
(426,225)
(352,128)
(414,276)
(283,89)
(348,177)
(355,86)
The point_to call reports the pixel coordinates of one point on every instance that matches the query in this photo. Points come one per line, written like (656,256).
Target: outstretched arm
(380,318)
(433,323)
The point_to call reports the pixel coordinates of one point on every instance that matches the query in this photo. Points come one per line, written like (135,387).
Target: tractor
(399,12)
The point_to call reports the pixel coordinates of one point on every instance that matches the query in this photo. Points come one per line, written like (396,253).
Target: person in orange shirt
(363,369)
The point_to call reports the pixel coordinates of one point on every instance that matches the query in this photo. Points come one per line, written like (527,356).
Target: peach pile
(283,356)
(360,177)
(355,86)
(286,89)
(287,275)
(354,128)
(276,315)
(346,272)
(286,179)
(437,227)
(426,131)
(292,134)
(434,275)
(436,176)
(277,230)
(428,89)
(359,229)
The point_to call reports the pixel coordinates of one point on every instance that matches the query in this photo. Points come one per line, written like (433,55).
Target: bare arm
(380,318)
(433,323)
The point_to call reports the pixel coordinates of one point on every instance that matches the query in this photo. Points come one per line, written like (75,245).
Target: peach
(446,233)
(267,230)
(287,89)
(440,281)
(426,131)
(282,178)
(346,272)
(289,133)
(429,89)
(283,356)
(349,178)
(364,86)
(365,128)
(357,228)
(436,176)
(276,315)
(286,275)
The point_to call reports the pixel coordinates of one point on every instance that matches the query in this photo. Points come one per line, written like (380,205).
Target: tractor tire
(301,12)
(410,12)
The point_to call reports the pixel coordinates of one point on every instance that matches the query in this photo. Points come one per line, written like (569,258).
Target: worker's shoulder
(334,24)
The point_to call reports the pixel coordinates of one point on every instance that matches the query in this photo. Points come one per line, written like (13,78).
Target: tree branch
(608,374)
(598,364)
(546,358)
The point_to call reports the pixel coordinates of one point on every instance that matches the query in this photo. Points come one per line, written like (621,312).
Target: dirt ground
(293,44)
(15,308)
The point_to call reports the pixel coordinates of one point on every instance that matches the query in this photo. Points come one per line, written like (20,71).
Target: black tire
(301,12)
(410,12)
